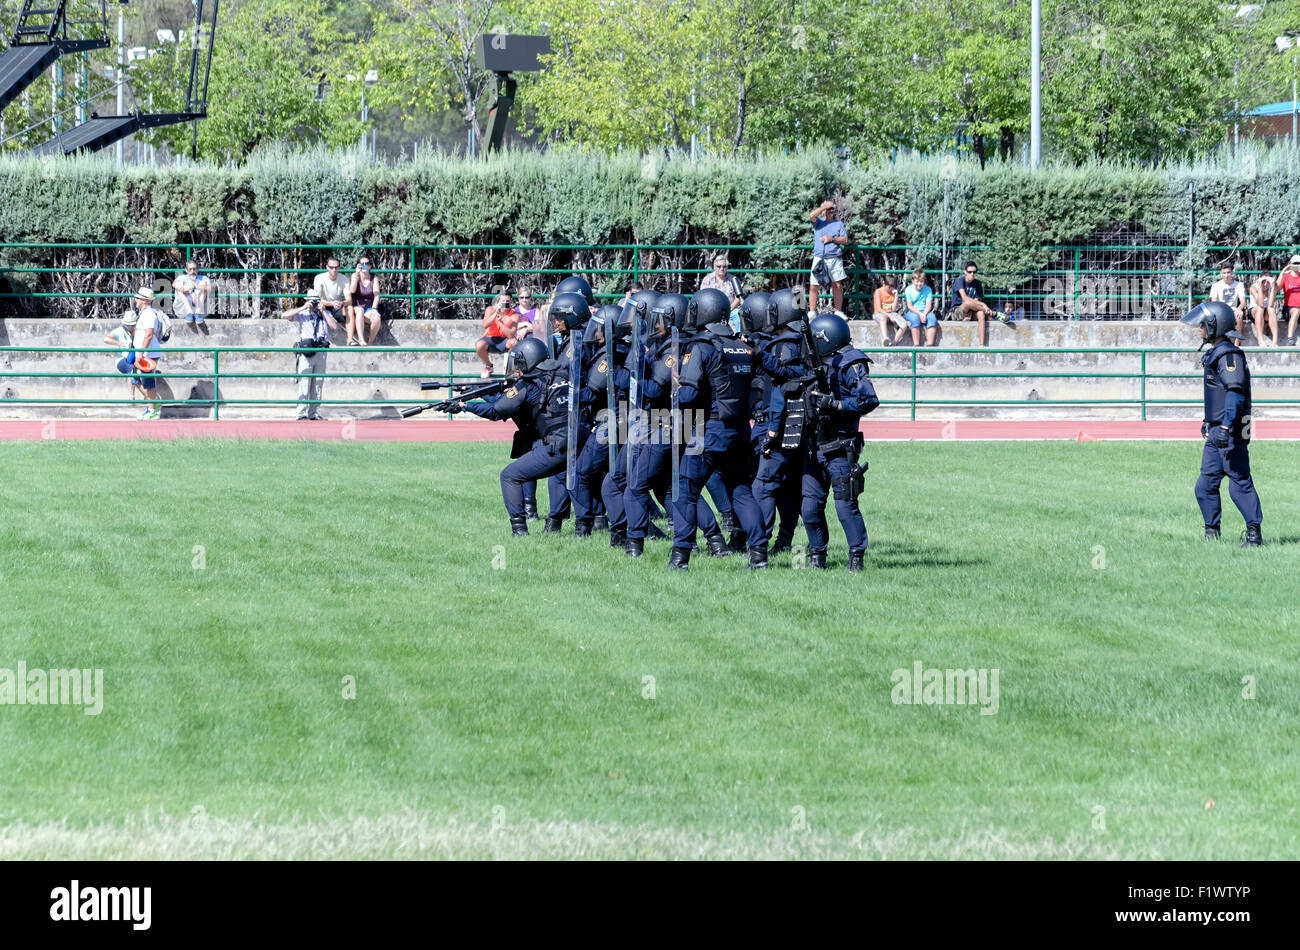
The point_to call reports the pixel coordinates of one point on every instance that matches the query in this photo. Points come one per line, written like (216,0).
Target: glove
(1219,437)
(825,402)
(456,407)
(766,442)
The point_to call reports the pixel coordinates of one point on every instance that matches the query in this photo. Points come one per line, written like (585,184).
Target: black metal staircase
(41,37)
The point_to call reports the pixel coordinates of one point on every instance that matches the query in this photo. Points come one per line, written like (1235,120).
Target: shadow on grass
(893,554)
(1283,540)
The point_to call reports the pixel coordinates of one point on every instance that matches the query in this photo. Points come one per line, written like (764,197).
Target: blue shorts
(143,380)
(915,322)
(496,344)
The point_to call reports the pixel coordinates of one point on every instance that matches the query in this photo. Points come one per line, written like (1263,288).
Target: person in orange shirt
(499,322)
(885,308)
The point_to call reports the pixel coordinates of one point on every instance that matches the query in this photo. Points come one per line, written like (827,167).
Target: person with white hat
(148,350)
(123,336)
(313,338)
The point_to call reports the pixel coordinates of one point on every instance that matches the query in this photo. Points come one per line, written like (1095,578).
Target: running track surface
(478,430)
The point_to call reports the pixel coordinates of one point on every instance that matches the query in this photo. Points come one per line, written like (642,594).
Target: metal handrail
(915,373)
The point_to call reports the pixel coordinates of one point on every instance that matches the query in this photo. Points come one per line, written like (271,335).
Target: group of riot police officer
(662,394)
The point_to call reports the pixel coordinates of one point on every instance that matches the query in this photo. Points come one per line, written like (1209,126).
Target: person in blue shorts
(918,303)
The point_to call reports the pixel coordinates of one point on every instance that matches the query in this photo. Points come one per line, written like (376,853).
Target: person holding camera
(314,323)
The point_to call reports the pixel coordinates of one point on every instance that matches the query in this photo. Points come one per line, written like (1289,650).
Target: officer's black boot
(717,545)
(1211,532)
(530,511)
(601,523)
(553,525)
(653,533)
(758,557)
(582,527)
(817,560)
(855,561)
(1253,537)
(634,547)
(617,537)
(518,526)
(680,559)
(739,540)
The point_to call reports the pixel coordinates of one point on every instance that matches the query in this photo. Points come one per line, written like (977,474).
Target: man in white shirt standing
(1227,289)
(147,343)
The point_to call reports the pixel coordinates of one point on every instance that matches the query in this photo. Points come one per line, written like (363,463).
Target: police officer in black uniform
(593,463)
(1227,422)
(536,398)
(782,438)
(561,504)
(716,377)
(833,459)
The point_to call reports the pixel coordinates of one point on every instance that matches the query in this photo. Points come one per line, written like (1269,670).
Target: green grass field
(501,695)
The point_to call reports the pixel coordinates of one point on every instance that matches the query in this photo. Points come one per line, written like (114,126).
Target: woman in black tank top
(364,291)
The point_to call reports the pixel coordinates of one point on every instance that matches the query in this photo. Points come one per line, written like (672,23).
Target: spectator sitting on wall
(1263,310)
(363,296)
(192,295)
(887,307)
(968,300)
(1289,283)
(499,323)
(720,279)
(1011,312)
(333,287)
(529,316)
(1227,289)
(918,301)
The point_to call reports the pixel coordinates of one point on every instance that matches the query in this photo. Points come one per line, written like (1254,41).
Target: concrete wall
(408,368)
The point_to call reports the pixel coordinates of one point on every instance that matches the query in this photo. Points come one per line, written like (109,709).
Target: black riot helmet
(786,307)
(576,285)
(707,306)
(753,313)
(667,312)
(570,310)
(602,318)
(642,301)
(830,334)
(526,355)
(1217,318)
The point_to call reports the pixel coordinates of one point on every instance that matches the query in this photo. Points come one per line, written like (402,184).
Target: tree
(279,73)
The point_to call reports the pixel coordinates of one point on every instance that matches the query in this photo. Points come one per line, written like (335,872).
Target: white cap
(130,318)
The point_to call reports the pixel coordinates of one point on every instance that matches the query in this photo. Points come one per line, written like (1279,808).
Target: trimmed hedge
(548,201)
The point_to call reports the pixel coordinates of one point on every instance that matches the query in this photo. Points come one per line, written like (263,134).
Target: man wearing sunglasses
(333,289)
(968,301)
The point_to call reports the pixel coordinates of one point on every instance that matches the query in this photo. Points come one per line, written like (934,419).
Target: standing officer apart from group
(1227,422)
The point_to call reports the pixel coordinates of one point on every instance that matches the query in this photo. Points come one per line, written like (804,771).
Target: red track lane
(477,430)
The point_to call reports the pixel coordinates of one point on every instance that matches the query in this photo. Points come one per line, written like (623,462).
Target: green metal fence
(895,387)
(1101,281)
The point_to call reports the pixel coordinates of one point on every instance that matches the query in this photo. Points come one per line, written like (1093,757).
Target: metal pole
(1293,103)
(1035,86)
(694,137)
(121,70)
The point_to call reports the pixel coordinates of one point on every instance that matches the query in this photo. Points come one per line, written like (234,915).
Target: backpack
(164,326)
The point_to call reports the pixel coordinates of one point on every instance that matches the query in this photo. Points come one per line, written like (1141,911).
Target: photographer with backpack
(314,324)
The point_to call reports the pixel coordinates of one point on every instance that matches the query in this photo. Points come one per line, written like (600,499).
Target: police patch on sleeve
(602,366)
(686,359)
(512,392)
(670,361)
